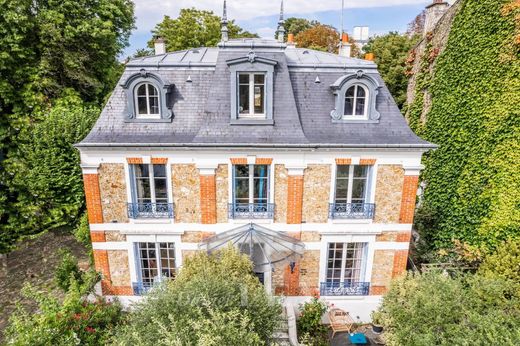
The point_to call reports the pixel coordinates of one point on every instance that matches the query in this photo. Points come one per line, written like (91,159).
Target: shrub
(82,232)
(504,263)
(67,271)
(215,300)
(310,329)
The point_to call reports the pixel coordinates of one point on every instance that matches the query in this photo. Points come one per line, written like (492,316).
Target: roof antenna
(281,28)
(224,29)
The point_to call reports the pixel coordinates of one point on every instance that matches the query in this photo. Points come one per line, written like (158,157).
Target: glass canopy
(265,247)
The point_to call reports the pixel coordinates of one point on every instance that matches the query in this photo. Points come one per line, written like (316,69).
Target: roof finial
(224,29)
(281,28)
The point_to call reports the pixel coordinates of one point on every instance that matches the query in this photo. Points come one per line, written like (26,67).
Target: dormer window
(251,96)
(147,100)
(356,101)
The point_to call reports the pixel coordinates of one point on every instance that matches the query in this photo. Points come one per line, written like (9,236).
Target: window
(251,192)
(356,101)
(149,191)
(147,101)
(351,198)
(251,94)
(156,262)
(346,262)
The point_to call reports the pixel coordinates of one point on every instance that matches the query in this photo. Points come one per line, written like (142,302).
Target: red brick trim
(404,237)
(159,160)
(400,261)
(294,199)
(367,162)
(408,198)
(134,160)
(263,161)
(291,280)
(239,161)
(378,290)
(93,198)
(97,236)
(208,199)
(118,290)
(101,265)
(343,162)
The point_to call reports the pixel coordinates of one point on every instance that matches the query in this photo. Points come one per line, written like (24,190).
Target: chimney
(290,41)
(345,47)
(160,46)
(369,56)
(433,13)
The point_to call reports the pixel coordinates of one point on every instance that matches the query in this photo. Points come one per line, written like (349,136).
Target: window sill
(152,221)
(251,121)
(353,221)
(148,120)
(355,121)
(248,221)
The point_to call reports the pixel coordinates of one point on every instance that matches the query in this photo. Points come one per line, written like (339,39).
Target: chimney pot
(160,46)
(290,38)
(344,38)
(369,56)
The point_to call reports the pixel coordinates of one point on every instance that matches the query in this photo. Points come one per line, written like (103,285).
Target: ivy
(473,178)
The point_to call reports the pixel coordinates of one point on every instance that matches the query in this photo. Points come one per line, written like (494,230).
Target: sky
(261,16)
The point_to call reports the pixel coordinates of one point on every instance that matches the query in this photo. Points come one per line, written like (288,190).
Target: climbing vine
(473,178)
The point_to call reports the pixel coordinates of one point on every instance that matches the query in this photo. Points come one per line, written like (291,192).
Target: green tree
(193,29)
(391,51)
(295,25)
(215,300)
(319,37)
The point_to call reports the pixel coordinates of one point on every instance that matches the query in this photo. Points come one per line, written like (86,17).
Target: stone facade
(195,237)
(222,193)
(112,185)
(389,188)
(114,236)
(119,269)
(382,268)
(316,193)
(309,267)
(310,236)
(280,193)
(186,193)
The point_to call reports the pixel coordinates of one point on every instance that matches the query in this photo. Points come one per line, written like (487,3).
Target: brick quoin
(102,265)
(404,237)
(93,198)
(400,261)
(367,162)
(159,160)
(134,160)
(291,280)
(208,199)
(378,290)
(343,162)
(408,198)
(97,236)
(294,199)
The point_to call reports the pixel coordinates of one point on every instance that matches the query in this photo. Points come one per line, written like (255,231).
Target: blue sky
(380,15)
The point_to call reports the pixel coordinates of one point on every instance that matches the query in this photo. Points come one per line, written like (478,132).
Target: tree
(193,29)
(319,37)
(215,300)
(295,25)
(391,51)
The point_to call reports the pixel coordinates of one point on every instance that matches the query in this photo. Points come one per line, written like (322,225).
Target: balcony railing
(344,288)
(150,210)
(352,210)
(251,210)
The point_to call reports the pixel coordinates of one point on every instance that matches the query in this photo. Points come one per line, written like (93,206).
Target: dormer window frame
(340,88)
(251,64)
(164,88)
(148,99)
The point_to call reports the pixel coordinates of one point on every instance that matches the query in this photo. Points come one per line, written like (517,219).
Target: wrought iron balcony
(150,210)
(344,288)
(352,210)
(251,210)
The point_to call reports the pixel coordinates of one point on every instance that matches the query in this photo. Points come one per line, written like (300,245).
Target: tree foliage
(215,300)
(324,38)
(193,29)
(391,52)
(473,179)
(295,25)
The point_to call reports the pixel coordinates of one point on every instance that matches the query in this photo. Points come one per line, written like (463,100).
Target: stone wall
(114,236)
(186,193)
(280,193)
(112,185)
(119,268)
(316,193)
(222,177)
(382,268)
(389,188)
(309,267)
(310,236)
(195,237)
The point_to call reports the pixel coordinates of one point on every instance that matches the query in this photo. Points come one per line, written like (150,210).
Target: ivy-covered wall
(473,179)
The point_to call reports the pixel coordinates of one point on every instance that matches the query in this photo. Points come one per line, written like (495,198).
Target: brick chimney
(160,46)
(345,48)
(290,41)
(433,13)
(370,56)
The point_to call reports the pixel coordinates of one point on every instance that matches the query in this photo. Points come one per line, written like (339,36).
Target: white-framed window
(356,102)
(251,184)
(352,184)
(251,95)
(156,262)
(147,101)
(150,183)
(346,262)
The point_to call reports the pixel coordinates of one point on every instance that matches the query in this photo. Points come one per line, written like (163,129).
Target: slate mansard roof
(301,107)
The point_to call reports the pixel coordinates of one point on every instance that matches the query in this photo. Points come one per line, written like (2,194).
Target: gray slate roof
(301,107)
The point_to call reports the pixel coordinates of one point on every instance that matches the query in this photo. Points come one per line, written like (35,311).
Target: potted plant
(377,326)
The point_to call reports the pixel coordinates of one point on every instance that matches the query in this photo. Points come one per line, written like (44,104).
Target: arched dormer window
(147,101)
(148,98)
(356,96)
(356,101)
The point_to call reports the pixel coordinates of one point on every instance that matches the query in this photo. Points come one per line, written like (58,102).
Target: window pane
(154,105)
(243,94)
(143,190)
(360,171)
(161,193)
(350,92)
(343,171)
(358,190)
(242,171)
(259,99)
(341,190)
(260,171)
(141,171)
(349,106)
(141,91)
(259,79)
(159,171)
(360,91)
(242,190)
(260,189)
(244,79)
(141,105)
(360,106)
(152,91)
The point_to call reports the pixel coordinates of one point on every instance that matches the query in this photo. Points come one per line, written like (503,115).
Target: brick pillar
(294,199)
(400,261)
(208,199)
(93,198)
(101,265)
(408,198)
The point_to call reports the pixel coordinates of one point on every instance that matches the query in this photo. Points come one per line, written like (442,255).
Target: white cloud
(150,12)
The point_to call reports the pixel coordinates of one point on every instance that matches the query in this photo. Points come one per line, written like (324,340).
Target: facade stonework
(208,199)
(119,268)
(294,199)
(310,236)
(309,272)
(280,193)
(115,236)
(186,193)
(93,198)
(316,192)
(195,237)
(112,184)
(382,268)
(389,188)
(222,176)
(408,199)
